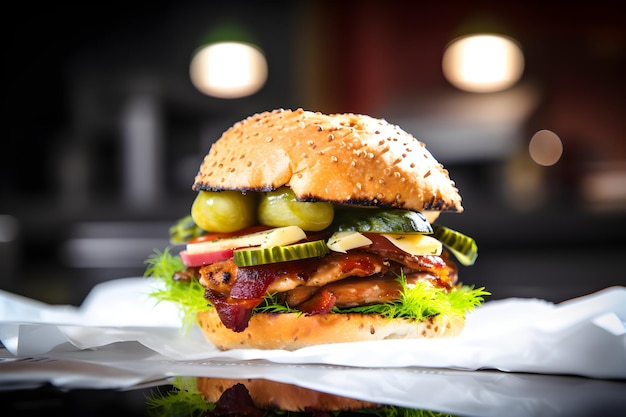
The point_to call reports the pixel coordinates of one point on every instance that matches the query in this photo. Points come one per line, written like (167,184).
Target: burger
(213,397)
(311,228)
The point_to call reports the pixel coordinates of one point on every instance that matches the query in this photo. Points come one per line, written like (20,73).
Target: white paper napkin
(584,336)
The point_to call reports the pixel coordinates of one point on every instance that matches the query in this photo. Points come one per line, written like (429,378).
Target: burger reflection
(217,397)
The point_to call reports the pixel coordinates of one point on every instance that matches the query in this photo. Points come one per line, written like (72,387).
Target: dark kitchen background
(104,130)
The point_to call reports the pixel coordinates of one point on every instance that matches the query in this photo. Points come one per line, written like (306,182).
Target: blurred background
(109,116)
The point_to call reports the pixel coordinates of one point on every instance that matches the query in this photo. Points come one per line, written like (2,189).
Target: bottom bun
(292,331)
(271,395)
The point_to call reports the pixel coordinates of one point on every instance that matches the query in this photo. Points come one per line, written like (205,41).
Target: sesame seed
(358,185)
(268,139)
(331,137)
(334,158)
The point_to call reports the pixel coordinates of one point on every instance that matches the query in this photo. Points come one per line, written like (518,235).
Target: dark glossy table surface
(39,386)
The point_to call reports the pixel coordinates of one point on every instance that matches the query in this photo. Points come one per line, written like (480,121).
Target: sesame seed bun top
(339,158)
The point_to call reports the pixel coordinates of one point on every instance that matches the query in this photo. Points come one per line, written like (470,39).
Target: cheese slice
(415,243)
(273,237)
(344,241)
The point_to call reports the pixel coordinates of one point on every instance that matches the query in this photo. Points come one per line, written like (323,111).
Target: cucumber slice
(381,221)
(463,247)
(273,254)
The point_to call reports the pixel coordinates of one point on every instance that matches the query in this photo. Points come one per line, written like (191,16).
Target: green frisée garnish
(187,295)
(422,300)
(185,400)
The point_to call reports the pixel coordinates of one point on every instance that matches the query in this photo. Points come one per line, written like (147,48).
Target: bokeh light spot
(483,63)
(229,69)
(545,147)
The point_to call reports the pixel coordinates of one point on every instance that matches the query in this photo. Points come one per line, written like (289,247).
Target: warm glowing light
(229,69)
(483,63)
(545,148)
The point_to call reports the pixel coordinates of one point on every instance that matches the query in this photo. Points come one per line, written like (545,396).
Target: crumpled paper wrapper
(585,336)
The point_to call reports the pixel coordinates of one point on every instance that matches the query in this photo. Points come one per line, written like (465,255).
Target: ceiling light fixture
(228,64)
(483,63)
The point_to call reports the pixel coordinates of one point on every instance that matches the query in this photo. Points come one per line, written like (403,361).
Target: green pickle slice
(184,230)
(273,254)
(381,221)
(463,247)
